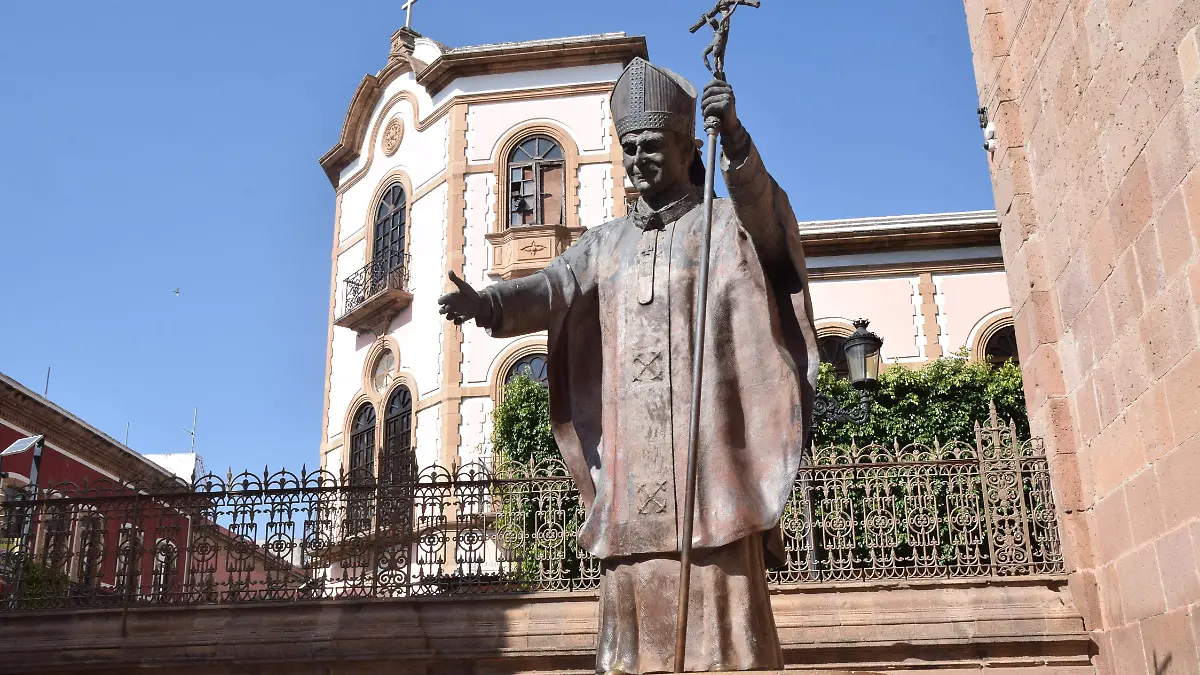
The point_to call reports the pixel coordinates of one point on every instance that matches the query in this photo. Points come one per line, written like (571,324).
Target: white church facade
(488,161)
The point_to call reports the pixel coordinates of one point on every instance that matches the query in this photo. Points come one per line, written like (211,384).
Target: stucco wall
(886,301)
(965,301)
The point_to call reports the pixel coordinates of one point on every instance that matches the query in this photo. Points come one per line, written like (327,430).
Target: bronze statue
(620,306)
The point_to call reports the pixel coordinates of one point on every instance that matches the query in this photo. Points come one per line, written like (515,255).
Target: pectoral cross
(407,7)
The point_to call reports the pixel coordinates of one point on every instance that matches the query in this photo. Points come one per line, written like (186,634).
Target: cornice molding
(873,235)
(905,269)
(453,64)
(338,161)
(68,433)
(526,56)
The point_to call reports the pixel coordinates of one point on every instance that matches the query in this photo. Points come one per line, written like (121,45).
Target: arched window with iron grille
(128,578)
(91,548)
(391,221)
(830,350)
(166,563)
(532,366)
(397,462)
(536,183)
(362,445)
(1002,346)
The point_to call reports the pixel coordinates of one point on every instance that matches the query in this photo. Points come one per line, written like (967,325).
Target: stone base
(941,627)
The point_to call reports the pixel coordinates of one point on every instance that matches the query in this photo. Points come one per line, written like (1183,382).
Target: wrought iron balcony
(918,512)
(374,295)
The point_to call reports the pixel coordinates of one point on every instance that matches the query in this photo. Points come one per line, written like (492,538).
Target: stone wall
(1014,627)
(1097,110)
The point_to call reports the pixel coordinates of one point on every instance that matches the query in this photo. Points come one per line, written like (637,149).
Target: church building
(489,161)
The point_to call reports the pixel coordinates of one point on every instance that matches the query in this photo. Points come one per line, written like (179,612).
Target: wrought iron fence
(955,510)
(388,272)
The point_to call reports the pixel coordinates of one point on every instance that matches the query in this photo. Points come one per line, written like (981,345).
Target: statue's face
(656,160)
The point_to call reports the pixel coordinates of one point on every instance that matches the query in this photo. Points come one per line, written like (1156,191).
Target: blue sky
(158,145)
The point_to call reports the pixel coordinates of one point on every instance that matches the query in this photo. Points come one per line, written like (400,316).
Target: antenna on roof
(192,433)
(46,390)
(127,434)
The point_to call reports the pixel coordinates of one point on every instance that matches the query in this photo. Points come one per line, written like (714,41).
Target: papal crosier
(619,308)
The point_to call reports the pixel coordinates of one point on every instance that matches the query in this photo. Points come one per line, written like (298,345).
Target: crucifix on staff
(720,19)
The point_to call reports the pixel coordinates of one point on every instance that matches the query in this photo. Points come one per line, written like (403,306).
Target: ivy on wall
(940,401)
(521,423)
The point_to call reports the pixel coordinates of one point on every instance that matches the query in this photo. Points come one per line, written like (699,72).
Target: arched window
(128,579)
(831,352)
(91,548)
(391,217)
(532,366)
(381,374)
(56,538)
(536,183)
(1002,346)
(362,445)
(397,461)
(166,562)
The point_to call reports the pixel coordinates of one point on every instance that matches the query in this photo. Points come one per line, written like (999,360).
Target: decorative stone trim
(507,359)
(522,251)
(985,330)
(393,134)
(834,327)
(929,315)
(382,344)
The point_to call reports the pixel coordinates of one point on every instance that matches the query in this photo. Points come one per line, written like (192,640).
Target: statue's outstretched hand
(463,304)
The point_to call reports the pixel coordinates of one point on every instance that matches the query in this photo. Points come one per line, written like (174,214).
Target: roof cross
(407,7)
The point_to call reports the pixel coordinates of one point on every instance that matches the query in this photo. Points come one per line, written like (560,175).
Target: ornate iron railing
(977,509)
(389,272)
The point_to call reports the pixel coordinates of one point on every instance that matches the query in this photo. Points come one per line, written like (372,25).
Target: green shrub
(940,400)
(521,423)
(540,510)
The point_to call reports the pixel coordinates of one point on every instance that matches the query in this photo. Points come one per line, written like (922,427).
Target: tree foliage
(521,423)
(940,400)
(536,513)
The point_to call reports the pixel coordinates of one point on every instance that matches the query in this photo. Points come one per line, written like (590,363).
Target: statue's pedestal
(794,672)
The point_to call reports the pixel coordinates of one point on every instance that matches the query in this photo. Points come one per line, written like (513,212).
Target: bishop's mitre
(649,97)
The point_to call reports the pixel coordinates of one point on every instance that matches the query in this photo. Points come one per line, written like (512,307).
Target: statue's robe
(619,306)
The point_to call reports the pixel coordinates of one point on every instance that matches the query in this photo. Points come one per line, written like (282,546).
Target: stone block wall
(1015,626)
(1097,111)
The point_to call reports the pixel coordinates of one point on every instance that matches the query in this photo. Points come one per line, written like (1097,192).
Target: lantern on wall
(862,358)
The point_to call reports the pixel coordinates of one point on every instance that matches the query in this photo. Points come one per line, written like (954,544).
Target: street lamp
(23,445)
(862,358)
(37,444)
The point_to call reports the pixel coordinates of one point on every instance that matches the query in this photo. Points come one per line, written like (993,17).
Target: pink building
(111,534)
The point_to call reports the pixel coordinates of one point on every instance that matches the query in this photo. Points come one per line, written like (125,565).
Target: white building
(488,161)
